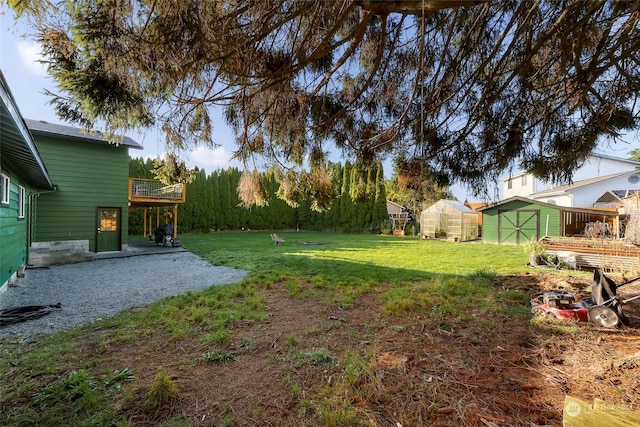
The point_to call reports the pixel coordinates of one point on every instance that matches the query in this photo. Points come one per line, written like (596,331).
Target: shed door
(516,227)
(108,232)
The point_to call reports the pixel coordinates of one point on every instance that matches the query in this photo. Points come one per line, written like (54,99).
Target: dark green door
(108,237)
(516,227)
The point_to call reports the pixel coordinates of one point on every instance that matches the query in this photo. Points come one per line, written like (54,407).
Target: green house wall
(88,176)
(13,231)
(499,223)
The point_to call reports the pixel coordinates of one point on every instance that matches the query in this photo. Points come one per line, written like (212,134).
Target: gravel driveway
(94,290)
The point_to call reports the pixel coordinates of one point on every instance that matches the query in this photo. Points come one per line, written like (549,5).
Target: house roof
(619,159)
(598,211)
(40,127)
(615,195)
(598,155)
(582,183)
(18,148)
(475,205)
(395,204)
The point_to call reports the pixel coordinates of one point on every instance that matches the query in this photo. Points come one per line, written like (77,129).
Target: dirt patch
(418,370)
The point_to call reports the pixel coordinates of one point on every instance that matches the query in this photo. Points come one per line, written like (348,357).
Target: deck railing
(141,190)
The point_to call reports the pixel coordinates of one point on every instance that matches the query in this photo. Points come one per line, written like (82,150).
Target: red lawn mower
(603,307)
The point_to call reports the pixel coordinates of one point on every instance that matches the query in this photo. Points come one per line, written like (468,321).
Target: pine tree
(225,200)
(380,214)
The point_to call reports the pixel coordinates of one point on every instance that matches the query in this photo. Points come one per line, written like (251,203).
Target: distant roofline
(396,204)
(14,112)
(41,127)
(602,156)
(582,183)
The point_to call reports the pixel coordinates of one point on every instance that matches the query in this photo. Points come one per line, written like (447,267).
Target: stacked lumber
(607,254)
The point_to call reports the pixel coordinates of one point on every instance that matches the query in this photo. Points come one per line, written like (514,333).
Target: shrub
(163,390)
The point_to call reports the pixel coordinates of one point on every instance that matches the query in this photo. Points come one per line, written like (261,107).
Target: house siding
(585,196)
(13,249)
(491,223)
(87,176)
(596,165)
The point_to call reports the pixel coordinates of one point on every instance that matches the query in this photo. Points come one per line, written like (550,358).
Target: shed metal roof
(601,211)
(40,127)
(18,150)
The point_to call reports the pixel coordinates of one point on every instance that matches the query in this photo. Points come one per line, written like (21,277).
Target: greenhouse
(449,219)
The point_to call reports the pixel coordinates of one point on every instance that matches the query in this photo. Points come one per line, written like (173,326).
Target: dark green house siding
(13,231)
(515,222)
(88,176)
(22,165)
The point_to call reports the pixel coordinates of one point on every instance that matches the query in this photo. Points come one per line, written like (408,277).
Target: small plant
(163,390)
(246,344)
(218,356)
(292,340)
(534,247)
(319,356)
(219,336)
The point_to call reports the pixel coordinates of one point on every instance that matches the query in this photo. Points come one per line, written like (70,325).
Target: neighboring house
(23,176)
(449,219)
(475,206)
(88,212)
(586,192)
(525,185)
(614,198)
(518,219)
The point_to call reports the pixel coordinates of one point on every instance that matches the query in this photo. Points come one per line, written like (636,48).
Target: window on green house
(6,186)
(21,201)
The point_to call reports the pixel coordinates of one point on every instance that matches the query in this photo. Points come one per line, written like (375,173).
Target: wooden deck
(146,192)
(158,200)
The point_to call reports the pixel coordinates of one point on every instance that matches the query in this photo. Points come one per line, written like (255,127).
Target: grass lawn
(328,329)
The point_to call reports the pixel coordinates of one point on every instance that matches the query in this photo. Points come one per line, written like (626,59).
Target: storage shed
(449,219)
(515,220)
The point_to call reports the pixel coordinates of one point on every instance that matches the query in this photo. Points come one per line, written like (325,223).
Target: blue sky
(27,80)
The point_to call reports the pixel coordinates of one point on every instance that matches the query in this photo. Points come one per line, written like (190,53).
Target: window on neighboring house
(524,180)
(21,201)
(509,183)
(6,187)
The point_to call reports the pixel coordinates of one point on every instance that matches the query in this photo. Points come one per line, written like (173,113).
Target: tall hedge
(212,203)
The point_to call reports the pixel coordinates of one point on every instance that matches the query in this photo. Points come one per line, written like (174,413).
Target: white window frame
(6,190)
(22,201)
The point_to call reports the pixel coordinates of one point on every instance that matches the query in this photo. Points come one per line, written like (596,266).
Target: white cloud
(30,53)
(208,158)
(154,156)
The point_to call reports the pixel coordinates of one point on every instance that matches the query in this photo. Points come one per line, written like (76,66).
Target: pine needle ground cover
(331,330)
